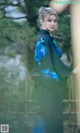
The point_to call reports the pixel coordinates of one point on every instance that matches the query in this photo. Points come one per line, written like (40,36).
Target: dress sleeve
(57,49)
(61,69)
(40,50)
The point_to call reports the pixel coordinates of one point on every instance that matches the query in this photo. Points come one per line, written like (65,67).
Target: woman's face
(49,23)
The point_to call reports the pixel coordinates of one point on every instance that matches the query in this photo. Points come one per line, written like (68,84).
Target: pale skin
(49,23)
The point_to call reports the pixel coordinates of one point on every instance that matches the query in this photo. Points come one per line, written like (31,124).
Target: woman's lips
(52,27)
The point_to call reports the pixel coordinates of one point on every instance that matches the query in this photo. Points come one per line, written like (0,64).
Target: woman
(51,76)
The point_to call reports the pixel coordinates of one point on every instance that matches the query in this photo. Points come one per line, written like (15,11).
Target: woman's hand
(76,70)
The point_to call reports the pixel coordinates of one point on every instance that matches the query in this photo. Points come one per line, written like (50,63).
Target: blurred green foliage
(16,32)
(20,38)
(26,33)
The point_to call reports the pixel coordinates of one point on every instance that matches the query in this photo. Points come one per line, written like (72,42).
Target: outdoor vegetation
(17,42)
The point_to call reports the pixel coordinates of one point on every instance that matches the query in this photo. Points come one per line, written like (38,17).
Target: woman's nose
(52,23)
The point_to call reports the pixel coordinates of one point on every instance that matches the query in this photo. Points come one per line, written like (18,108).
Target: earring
(56,26)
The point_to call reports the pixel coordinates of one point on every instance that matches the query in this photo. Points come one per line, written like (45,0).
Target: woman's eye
(49,20)
(55,20)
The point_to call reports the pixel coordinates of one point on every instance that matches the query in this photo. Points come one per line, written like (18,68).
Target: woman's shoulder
(44,35)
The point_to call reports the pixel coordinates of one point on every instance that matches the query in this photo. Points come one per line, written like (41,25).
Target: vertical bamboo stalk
(75,31)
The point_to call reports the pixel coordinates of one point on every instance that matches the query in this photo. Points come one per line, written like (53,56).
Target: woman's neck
(46,30)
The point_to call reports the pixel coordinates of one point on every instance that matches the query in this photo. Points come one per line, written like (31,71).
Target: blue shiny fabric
(57,49)
(39,125)
(49,74)
(40,51)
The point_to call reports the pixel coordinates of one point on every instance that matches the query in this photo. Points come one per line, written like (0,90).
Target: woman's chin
(51,30)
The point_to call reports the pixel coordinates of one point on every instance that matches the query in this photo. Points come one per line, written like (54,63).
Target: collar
(43,31)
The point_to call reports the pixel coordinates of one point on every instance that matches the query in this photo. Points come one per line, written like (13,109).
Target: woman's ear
(42,21)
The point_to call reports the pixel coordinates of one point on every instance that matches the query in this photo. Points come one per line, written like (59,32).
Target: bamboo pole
(75,32)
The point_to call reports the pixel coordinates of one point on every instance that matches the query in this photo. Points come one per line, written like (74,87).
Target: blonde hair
(46,11)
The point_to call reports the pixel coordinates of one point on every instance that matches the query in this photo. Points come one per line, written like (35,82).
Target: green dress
(50,80)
